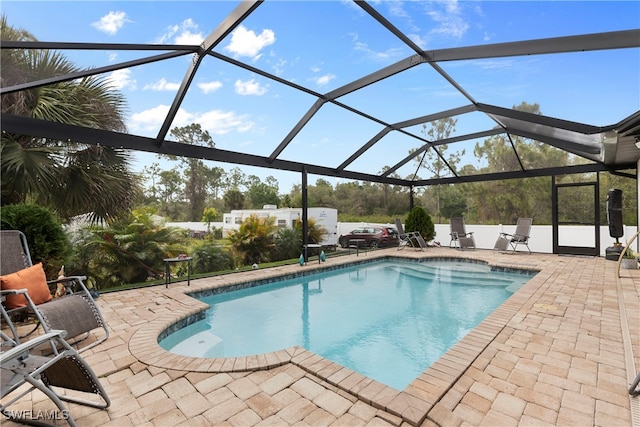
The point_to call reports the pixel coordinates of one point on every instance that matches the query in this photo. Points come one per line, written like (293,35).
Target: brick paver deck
(556,353)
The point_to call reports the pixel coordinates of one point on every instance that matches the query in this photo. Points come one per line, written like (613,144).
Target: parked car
(373,237)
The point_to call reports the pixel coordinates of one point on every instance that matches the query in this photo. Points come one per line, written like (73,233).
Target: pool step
(457,277)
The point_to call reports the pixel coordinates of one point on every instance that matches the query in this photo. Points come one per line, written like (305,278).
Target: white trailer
(286,218)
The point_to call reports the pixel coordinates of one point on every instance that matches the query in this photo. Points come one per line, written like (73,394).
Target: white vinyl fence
(486,235)
(541,235)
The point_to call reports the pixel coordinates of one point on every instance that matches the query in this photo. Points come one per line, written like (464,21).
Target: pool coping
(411,404)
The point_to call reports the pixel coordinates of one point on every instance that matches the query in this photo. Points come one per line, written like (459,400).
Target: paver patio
(556,353)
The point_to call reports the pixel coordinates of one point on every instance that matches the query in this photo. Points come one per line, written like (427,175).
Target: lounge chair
(23,370)
(460,238)
(520,237)
(74,312)
(412,238)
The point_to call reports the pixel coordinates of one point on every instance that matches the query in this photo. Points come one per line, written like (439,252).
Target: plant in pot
(629,260)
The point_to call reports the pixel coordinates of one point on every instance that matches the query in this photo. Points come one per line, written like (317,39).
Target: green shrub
(47,239)
(128,251)
(210,257)
(288,244)
(419,220)
(253,242)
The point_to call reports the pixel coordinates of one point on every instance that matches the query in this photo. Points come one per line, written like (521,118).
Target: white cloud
(121,79)
(187,32)
(149,120)
(208,87)
(378,56)
(324,80)
(187,37)
(246,42)
(249,87)
(162,84)
(216,122)
(220,122)
(450,21)
(111,22)
(396,8)
(419,40)
(278,66)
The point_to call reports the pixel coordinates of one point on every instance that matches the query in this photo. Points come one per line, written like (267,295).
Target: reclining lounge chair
(74,312)
(413,238)
(520,237)
(459,236)
(24,370)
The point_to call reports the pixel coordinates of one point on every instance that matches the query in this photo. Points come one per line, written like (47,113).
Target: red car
(373,237)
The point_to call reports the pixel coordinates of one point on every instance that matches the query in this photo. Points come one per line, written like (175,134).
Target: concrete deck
(558,352)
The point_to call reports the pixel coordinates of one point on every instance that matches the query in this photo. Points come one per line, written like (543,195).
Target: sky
(324,45)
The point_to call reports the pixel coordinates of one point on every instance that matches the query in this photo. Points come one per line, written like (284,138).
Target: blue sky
(326,44)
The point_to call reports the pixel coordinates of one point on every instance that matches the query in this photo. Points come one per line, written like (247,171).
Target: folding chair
(75,312)
(459,236)
(413,238)
(520,237)
(24,370)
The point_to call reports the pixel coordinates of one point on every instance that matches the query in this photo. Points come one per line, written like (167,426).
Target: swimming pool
(388,320)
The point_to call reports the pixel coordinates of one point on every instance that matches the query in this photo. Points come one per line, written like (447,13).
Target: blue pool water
(388,320)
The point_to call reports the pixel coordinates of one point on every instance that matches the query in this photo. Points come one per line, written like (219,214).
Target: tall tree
(236,179)
(506,200)
(261,194)
(68,177)
(196,171)
(436,159)
(151,173)
(233,199)
(216,177)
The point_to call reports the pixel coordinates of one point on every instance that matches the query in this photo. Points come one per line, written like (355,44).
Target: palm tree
(69,178)
(129,250)
(253,242)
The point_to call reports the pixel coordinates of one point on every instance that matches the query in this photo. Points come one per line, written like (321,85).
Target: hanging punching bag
(614,213)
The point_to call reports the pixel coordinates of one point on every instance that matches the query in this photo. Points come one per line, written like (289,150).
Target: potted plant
(629,260)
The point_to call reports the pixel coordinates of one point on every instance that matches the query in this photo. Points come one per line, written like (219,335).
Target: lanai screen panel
(276,80)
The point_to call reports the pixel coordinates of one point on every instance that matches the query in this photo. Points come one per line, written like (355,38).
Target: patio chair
(74,312)
(520,237)
(412,238)
(460,238)
(24,370)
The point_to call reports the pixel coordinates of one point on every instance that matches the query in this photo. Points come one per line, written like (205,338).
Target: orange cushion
(33,280)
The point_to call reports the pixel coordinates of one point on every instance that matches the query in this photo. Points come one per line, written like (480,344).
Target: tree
(419,220)
(321,194)
(505,201)
(48,242)
(261,194)
(288,243)
(233,199)
(253,242)
(152,173)
(454,201)
(216,177)
(129,250)
(236,179)
(208,216)
(211,257)
(437,161)
(69,177)
(196,171)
